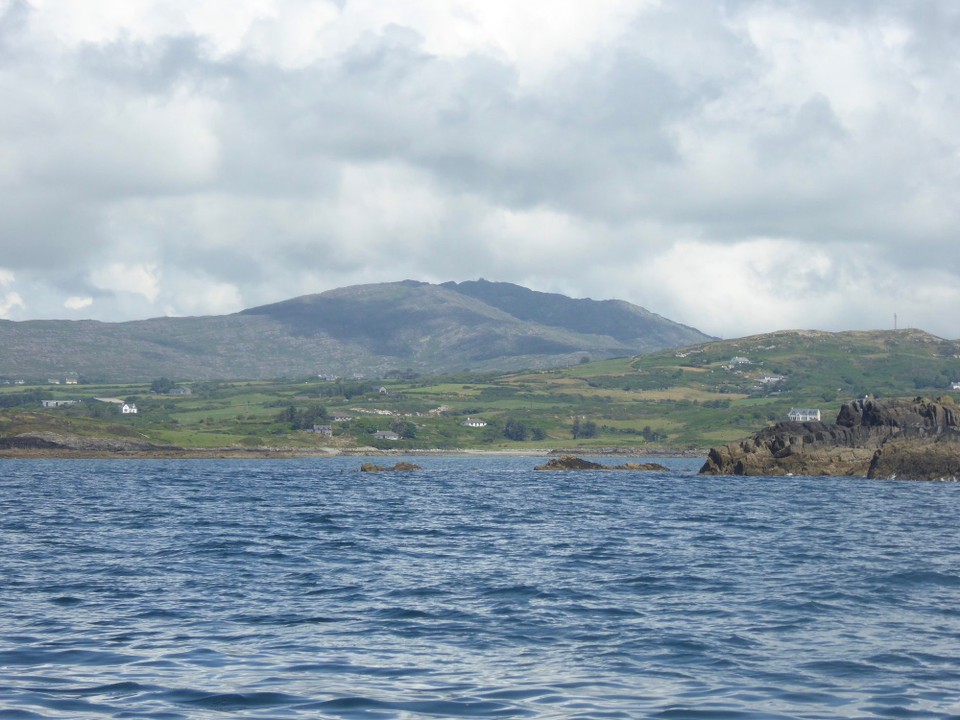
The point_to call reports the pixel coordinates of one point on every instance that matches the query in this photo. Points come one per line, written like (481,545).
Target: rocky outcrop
(398,467)
(917,439)
(571,462)
(922,459)
(59,441)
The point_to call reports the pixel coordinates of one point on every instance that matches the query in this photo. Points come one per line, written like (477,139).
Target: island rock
(570,462)
(910,439)
(398,467)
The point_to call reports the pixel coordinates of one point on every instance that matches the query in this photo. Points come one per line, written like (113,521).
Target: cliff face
(915,439)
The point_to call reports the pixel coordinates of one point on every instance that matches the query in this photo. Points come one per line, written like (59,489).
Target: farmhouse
(384,435)
(474,423)
(58,403)
(804,415)
(128,409)
(955,386)
(325,430)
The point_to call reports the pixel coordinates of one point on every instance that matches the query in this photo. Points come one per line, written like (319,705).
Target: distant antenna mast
(894,321)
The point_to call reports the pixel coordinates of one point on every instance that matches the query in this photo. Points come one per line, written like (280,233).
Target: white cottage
(804,415)
(128,409)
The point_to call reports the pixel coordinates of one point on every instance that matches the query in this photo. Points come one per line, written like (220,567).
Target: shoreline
(226,453)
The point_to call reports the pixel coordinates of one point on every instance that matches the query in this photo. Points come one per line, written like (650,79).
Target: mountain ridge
(361,329)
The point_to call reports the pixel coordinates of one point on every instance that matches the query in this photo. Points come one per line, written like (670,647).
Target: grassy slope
(672,400)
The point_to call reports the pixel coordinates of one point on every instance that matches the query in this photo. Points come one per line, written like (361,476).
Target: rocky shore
(909,439)
(571,462)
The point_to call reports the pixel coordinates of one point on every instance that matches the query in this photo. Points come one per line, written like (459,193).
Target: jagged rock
(400,466)
(917,439)
(571,462)
(932,459)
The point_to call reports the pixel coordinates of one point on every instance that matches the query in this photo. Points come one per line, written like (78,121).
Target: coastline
(228,453)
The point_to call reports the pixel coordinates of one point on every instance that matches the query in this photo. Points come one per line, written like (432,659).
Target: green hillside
(687,399)
(362,329)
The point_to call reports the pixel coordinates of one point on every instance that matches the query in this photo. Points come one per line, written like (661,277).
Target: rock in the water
(917,439)
(571,462)
(932,459)
(399,467)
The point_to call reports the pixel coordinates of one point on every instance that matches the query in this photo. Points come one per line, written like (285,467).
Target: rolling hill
(686,399)
(365,329)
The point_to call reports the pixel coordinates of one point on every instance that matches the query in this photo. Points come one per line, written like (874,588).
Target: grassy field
(684,400)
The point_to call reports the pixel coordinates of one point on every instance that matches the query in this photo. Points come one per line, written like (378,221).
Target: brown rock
(875,438)
(399,467)
(933,459)
(571,462)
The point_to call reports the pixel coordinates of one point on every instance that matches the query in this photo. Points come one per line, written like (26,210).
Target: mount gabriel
(362,329)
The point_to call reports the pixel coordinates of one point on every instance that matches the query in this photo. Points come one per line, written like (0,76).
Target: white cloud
(138,279)
(78,303)
(763,284)
(736,165)
(196,295)
(9,301)
(536,37)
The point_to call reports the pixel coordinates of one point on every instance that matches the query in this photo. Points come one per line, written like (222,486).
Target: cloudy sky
(740,166)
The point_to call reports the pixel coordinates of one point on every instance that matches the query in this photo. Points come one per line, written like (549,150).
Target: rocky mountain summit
(370,330)
(909,439)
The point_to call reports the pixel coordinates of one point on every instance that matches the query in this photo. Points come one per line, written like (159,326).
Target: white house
(385,435)
(955,386)
(474,422)
(739,361)
(128,409)
(804,414)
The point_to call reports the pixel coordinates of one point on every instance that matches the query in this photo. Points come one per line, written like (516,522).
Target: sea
(473,588)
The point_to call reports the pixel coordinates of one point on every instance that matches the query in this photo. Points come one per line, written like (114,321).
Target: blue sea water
(473,588)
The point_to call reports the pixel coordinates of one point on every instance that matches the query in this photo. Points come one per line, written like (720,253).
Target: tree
(515,430)
(586,429)
(161,386)
(538,434)
(302,419)
(404,428)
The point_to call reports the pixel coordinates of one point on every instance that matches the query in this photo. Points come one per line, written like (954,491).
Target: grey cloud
(666,132)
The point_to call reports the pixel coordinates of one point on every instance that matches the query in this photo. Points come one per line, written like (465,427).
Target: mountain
(363,329)
(629,324)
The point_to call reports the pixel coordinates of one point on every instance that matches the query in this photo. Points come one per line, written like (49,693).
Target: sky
(740,166)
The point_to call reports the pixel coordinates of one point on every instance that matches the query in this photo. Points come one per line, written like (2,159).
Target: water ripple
(175,590)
